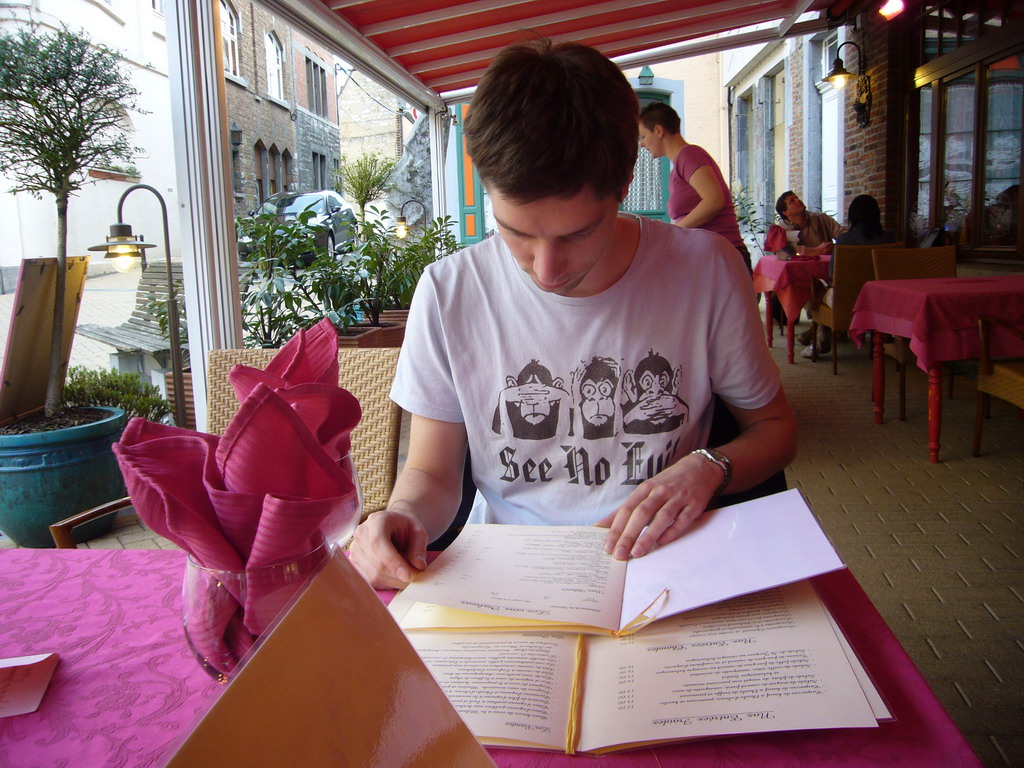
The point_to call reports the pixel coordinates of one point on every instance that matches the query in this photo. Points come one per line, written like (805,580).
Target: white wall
(134,29)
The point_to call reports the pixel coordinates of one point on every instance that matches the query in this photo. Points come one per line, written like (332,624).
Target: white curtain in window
(229,37)
(275,66)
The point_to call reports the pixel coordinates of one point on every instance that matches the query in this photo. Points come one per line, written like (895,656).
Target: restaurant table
(790,280)
(127,690)
(939,316)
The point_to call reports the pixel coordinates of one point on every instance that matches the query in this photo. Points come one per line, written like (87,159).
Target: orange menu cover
(334,683)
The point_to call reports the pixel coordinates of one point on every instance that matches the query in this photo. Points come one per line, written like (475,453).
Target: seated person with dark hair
(865,221)
(578,352)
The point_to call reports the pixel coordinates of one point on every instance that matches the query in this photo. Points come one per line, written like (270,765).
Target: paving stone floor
(938,547)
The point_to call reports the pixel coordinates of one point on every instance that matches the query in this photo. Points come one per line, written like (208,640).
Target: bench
(140,337)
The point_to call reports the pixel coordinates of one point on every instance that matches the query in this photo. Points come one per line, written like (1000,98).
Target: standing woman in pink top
(698,196)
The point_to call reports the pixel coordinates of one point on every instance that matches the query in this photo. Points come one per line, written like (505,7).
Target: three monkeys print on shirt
(599,399)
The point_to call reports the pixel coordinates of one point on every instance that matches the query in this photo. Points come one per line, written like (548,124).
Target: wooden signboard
(26,364)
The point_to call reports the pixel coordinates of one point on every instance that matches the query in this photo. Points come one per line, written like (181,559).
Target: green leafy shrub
(86,387)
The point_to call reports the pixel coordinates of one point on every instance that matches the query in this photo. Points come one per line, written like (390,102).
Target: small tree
(61,102)
(365,179)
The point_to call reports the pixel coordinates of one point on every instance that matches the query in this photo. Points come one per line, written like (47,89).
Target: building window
(157,5)
(286,171)
(275,66)
(948,24)
(316,88)
(319,171)
(969,156)
(260,162)
(229,38)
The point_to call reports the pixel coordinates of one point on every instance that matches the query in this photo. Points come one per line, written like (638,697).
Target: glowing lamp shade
(891,8)
(122,246)
(401,228)
(838,76)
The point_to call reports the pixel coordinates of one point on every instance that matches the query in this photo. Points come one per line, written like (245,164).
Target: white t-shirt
(570,403)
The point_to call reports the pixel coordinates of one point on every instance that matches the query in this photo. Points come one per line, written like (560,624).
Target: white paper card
(23,681)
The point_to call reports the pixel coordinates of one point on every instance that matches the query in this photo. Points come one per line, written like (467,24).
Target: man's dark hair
(660,113)
(780,204)
(548,120)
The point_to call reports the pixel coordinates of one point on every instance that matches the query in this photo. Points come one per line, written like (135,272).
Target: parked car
(335,219)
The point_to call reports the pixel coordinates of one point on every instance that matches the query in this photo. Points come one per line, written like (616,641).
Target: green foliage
(383,269)
(276,300)
(282,296)
(62,98)
(365,179)
(86,387)
(752,221)
(158,309)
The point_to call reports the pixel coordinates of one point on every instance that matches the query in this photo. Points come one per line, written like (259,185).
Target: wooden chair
(852,266)
(911,264)
(1002,378)
(365,372)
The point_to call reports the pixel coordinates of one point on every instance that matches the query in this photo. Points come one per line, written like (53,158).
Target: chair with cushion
(1002,378)
(832,306)
(912,264)
(365,372)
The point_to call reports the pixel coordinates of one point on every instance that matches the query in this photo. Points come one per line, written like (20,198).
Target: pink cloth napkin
(262,494)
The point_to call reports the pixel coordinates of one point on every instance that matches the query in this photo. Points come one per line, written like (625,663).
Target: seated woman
(865,221)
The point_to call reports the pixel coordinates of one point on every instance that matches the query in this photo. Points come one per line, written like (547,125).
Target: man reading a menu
(577,351)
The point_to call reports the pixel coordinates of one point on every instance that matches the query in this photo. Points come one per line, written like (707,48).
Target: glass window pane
(920,216)
(1002,150)
(958,167)
(931,32)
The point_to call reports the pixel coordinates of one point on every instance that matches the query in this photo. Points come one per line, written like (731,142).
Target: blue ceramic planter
(48,476)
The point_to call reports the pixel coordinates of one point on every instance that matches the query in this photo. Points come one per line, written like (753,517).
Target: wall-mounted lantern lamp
(839,76)
(646,76)
(122,245)
(402,226)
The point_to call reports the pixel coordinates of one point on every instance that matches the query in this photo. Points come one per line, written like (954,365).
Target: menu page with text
(769,661)
(529,575)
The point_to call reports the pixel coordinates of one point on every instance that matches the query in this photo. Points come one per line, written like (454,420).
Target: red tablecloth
(127,689)
(940,315)
(790,281)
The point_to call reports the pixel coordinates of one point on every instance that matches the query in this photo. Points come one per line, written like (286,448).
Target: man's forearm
(767,443)
(430,499)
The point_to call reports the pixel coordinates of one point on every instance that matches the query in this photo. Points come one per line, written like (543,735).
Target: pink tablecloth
(940,315)
(789,280)
(126,689)
(126,684)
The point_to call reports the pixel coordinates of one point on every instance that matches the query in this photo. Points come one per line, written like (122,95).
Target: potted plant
(383,269)
(365,179)
(62,99)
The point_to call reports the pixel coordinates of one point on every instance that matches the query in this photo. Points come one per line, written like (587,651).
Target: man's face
(651,140)
(565,244)
(794,205)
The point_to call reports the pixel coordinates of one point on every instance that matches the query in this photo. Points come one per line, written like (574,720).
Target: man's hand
(388,548)
(666,505)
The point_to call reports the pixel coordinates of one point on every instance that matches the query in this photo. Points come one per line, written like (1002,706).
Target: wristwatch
(722,461)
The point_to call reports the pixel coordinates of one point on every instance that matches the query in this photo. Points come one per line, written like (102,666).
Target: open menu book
(770,661)
(558,577)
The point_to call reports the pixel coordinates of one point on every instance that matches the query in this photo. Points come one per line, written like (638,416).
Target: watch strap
(722,461)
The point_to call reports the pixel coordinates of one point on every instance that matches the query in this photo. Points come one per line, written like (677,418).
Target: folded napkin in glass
(277,486)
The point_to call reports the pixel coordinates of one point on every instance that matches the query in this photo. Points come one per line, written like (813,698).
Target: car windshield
(294,204)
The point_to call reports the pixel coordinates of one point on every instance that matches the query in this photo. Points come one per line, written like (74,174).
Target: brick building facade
(281,106)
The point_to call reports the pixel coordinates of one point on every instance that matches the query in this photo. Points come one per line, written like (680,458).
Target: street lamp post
(402,226)
(121,243)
